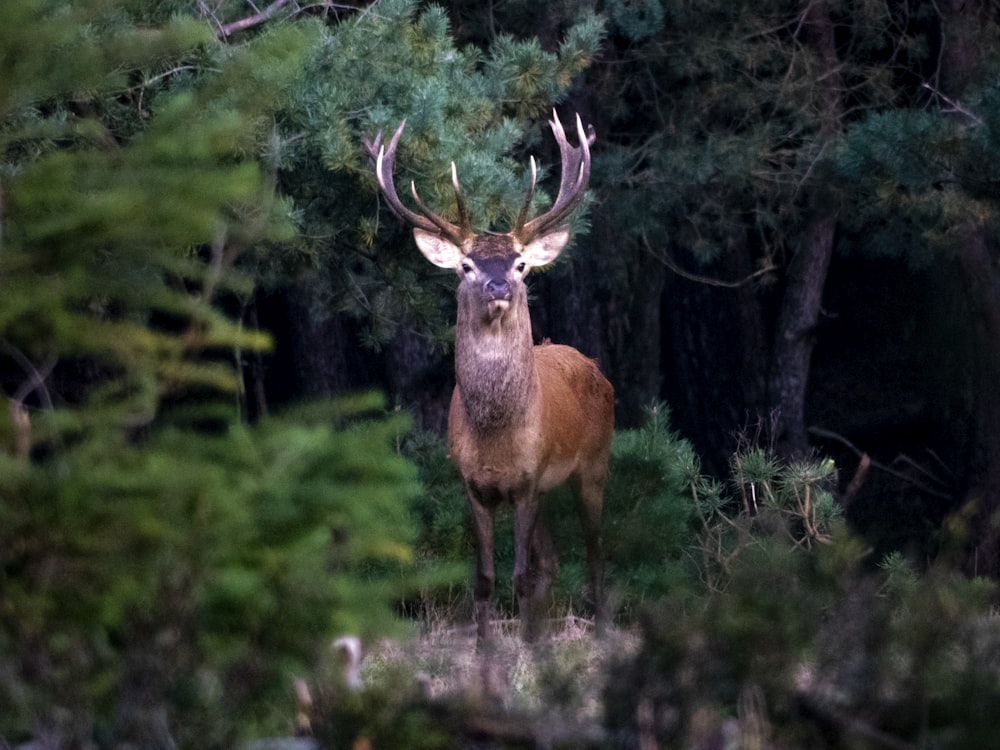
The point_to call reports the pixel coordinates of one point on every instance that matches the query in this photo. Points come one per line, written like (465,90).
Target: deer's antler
(572,184)
(384,158)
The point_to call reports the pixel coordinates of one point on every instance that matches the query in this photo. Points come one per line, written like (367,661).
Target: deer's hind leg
(534,563)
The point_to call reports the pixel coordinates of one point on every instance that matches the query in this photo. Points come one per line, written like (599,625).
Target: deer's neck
(494,364)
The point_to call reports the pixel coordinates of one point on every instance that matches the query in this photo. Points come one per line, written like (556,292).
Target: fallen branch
(860,475)
(830,435)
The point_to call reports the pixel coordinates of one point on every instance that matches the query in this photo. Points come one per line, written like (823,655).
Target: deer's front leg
(482,528)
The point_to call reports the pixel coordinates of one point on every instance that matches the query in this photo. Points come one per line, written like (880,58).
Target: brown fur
(523,418)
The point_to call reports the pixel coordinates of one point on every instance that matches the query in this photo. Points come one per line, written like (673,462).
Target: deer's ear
(437,249)
(545,249)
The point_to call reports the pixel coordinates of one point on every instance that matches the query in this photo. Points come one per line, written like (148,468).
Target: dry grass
(560,676)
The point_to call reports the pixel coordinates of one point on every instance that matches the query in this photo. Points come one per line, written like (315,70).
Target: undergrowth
(748,615)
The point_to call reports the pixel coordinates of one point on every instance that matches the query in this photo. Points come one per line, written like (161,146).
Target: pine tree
(164,568)
(722,115)
(924,190)
(460,104)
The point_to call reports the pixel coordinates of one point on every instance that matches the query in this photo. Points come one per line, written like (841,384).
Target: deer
(523,418)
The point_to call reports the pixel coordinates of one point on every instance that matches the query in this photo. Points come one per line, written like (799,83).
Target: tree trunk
(421,379)
(321,353)
(791,351)
(325,357)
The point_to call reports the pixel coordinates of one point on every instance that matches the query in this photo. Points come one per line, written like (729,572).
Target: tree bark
(791,352)
(793,343)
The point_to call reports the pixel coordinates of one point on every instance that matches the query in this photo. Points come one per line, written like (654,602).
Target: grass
(437,690)
(569,661)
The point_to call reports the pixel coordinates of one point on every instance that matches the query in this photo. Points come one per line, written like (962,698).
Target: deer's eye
(466,268)
(521,266)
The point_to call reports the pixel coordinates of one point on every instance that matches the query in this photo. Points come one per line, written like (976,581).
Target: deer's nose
(497,289)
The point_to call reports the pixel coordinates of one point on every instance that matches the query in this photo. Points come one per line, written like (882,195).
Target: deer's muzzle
(497,289)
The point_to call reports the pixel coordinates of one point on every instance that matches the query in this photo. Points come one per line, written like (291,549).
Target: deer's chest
(505,461)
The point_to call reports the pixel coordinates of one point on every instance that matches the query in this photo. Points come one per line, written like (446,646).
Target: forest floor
(554,684)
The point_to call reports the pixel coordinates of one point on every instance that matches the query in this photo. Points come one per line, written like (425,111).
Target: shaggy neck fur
(494,360)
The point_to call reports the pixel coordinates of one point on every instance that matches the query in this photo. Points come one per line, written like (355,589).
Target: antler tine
(464,220)
(426,219)
(522,216)
(572,183)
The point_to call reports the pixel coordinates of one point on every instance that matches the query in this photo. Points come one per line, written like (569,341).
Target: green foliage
(723,121)
(164,569)
(813,650)
(650,511)
(229,560)
(794,640)
(114,196)
(917,176)
(461,104)
(636,20)
(800,491)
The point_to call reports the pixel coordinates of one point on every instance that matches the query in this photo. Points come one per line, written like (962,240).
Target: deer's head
(491,266)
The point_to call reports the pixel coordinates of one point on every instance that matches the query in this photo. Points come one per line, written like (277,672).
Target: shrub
(649,520)
(172,587)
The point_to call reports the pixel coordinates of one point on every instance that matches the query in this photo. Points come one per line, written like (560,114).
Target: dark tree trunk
(793,343)
(635,334)
(794,339)
(321,352)
(420,379)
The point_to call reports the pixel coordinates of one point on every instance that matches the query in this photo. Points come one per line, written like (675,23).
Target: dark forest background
(791,241)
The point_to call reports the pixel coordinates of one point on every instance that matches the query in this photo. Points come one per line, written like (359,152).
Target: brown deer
(523,418)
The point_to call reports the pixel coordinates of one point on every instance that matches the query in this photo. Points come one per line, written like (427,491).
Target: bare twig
(19,416)
(830,435)
(228,29)
(860,475)
(956,106)
(664,257)
(257,18)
